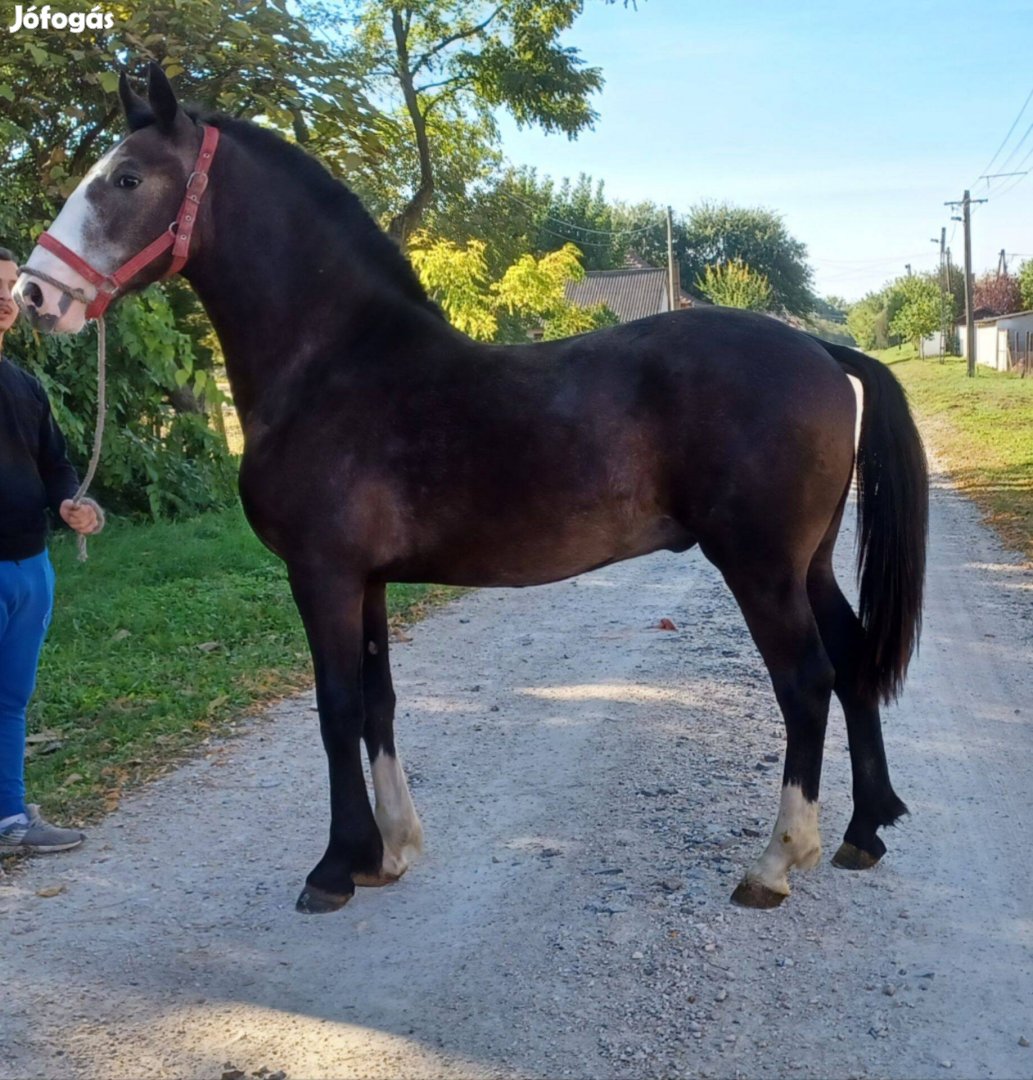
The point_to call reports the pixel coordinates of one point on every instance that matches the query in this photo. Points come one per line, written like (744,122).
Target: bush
(154,461)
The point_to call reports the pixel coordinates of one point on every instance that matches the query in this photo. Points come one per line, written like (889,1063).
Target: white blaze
(71,228)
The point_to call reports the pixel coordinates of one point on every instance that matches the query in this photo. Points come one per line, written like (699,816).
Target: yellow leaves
(457,278)
(535,286)
(735,284)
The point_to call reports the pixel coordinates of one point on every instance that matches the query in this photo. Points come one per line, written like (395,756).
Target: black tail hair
(893,525)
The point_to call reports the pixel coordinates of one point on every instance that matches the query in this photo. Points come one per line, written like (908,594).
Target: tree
(444,66)
(61,108)
(829,320)
(734,284)
(60,112)
(527,297)
(1025,277)
(579,213)
(715,233)
(998,294)
(918,308)
(863,318)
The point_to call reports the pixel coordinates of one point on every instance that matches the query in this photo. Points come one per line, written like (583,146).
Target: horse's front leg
(395,814)
(331,609)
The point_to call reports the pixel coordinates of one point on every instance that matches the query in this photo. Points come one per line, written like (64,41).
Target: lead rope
(102,357)
(98,431)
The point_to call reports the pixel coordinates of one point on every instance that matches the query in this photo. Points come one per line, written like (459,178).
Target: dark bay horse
(383,445)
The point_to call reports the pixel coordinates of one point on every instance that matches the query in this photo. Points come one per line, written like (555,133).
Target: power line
(867,262)
(986,168)
(582,228)
(1017,147)
(1020,175)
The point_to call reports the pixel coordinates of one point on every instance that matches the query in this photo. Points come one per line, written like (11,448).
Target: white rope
(98,431)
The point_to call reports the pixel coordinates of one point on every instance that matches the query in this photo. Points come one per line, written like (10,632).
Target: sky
(854,121)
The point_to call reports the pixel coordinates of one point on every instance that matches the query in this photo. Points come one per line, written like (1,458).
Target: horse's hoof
(316,901)
(850,857)
(374,881)
(753,894)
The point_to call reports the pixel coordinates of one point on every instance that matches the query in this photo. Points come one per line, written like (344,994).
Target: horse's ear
(138,112)
(162,98)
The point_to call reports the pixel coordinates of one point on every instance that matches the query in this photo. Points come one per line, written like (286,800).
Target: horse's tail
(893,525)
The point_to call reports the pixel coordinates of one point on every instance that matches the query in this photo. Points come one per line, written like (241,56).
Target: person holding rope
(35,474)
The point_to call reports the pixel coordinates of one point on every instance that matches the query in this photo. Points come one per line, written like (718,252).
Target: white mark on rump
(395,814)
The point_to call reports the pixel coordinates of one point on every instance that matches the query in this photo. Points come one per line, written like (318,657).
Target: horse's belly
(526,559)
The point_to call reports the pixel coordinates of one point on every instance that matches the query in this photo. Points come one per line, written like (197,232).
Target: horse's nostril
(33,293)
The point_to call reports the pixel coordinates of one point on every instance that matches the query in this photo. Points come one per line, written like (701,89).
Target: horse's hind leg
(779,616)
(875,802)
(395,814)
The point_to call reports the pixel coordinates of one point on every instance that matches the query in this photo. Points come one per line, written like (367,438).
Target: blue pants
(26,601)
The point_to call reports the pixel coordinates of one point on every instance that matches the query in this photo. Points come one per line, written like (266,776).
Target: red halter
(177,237)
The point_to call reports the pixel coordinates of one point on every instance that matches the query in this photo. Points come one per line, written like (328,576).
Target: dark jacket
(34,469)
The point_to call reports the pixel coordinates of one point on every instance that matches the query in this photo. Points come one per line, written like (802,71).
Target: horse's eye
(128,181)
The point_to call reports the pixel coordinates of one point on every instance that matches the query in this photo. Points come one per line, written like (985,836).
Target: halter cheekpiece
(176,236)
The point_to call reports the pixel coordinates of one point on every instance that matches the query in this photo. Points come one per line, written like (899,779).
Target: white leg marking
(795,841)
(395,815)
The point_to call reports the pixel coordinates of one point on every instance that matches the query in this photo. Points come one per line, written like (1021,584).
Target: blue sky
(854,121)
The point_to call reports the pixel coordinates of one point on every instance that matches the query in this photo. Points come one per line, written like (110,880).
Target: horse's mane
(331,195)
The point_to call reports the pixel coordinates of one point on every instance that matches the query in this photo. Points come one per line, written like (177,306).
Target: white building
(1003,342)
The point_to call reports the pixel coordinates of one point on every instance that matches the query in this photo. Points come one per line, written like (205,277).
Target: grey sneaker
(38,835)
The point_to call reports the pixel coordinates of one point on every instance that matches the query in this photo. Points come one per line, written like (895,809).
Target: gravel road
(591,787)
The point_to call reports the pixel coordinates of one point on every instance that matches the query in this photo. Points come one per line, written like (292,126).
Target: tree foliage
(862,320)
(154,460)
(60,112)
(528,297)
(1025,276)
(906,309)
(734,284)
(441,68)
(918,304)
(997,294)
(712,234)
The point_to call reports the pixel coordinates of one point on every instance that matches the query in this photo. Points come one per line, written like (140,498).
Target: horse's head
(132,196)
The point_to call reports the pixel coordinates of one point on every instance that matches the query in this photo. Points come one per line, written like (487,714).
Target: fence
(1018,351)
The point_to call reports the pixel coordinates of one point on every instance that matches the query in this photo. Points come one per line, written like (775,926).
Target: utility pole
(1002,264)
(907,267)
(671,292)
(970,326)
(943,291)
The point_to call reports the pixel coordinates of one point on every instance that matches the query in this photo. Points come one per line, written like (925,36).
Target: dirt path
(591,788)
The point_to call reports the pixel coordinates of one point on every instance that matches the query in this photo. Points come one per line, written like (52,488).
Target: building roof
(630,294)
(987,320)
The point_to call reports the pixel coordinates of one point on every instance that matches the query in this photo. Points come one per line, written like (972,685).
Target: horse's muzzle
(45,309)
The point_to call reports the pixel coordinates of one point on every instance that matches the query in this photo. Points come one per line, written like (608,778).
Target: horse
(383,445)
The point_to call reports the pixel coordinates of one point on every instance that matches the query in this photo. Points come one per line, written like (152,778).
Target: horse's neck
(280,285)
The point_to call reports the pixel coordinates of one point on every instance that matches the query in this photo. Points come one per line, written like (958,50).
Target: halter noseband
(176,236)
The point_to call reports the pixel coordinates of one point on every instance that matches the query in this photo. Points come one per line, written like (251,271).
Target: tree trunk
(403,224)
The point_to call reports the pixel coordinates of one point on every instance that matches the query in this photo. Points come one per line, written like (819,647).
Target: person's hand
(86,518)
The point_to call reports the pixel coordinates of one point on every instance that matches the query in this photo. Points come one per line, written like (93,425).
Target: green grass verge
(163,637)
(981,429)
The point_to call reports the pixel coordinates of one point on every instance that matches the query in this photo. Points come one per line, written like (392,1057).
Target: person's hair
(6,255)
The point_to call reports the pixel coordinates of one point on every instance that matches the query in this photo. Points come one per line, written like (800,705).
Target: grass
(166,635)
(981,430)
